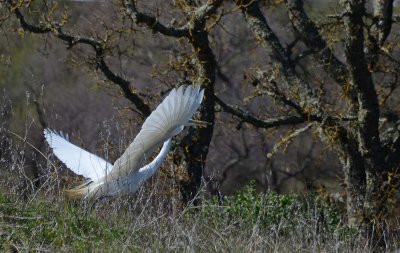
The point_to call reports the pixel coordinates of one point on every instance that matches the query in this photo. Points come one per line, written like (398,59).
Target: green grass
(57,225)
(246,222)
(250,207)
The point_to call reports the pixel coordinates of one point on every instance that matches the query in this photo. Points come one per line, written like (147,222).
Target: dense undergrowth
(246,222)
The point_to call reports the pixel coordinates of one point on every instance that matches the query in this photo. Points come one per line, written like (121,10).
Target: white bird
(128,173)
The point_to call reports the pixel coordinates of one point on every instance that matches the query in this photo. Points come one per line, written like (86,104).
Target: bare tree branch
(153,23)
(380,29)
(306,29)
(286,140)
(261,30)
(198,19)
(383,13)
(273,90)
(72,40)
(248,118)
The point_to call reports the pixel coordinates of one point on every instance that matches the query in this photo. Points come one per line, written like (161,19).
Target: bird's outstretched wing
(75,158)
(166,121)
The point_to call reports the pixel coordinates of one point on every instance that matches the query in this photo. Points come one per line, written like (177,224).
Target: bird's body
(128,171)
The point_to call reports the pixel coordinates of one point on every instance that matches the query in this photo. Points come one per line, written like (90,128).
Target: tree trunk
(197,142)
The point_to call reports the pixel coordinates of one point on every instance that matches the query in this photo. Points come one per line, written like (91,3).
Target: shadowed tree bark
(358,143)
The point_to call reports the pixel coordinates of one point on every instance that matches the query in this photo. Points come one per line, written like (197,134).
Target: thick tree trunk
(367,127)
(197,142)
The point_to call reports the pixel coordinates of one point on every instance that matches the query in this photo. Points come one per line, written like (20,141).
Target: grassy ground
(147,221)
(153,220)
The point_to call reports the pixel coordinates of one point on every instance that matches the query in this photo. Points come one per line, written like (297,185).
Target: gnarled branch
(72,40)
(248,118)
(263,33)
(307,30)
(153,23)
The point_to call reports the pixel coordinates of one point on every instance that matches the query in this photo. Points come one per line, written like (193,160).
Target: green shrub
(249,207)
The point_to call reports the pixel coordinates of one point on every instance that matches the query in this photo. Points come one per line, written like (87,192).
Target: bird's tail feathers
(76,193)
(83,191)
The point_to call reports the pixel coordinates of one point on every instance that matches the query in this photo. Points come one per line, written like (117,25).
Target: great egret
(128,172)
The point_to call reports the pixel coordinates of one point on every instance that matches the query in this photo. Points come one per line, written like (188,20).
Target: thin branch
(248,118)
(72,40)
(307,30)
(153,23)
(198,19)
(383,14)
(41,28)
(263,33)
(202,13)
(223,77)
(379,30)
(286,140)
(391,144)
(273,91)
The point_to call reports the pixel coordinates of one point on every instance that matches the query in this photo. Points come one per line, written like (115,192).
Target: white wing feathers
(166,121)
(132,182)
(75,158)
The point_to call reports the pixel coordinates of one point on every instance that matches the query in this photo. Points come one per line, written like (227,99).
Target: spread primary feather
(129,171)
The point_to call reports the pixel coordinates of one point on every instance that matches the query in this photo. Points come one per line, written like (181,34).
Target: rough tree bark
(367,129)
(365,161)
(197,142)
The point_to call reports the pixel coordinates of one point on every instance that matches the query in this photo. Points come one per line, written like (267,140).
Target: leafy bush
(270,209)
